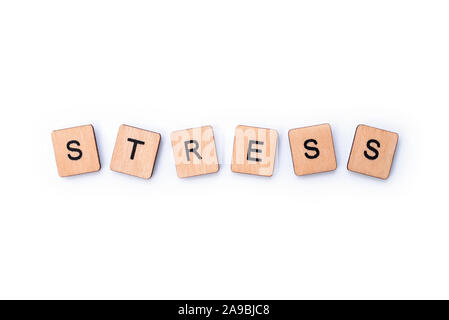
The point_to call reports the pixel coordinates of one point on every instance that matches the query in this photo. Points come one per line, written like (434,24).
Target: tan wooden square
(194,151)
(372,151)
(254,150)
(312,149)
(135,151)
(75,150)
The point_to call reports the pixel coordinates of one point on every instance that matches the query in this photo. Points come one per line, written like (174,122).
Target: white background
(170,65)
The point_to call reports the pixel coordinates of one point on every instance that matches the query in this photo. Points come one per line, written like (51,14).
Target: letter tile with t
(135,151)
(75,150)
(254,150)
(194,151)
(372,151)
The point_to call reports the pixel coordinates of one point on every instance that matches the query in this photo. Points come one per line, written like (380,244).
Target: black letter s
(376,152)
(80,153)
(317,152)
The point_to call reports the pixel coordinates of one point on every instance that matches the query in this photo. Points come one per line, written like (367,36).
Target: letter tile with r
(194,151)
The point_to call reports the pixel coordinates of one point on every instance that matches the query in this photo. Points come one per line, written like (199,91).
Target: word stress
(254,151)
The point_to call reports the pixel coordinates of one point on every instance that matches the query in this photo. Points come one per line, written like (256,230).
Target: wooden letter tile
(75,150)
(372,151)
(312,149)
(194,151)
(254,150)
(135,151)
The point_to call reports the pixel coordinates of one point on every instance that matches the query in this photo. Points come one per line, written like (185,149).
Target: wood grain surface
(254,150)
(312,149)
(75,150)
(135,151)
(194,151)
(372,151)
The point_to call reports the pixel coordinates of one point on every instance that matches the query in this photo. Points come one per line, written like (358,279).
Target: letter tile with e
(75,150)
(254,150)
(135,151)
(194,151)
(312,149)
(372,151)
